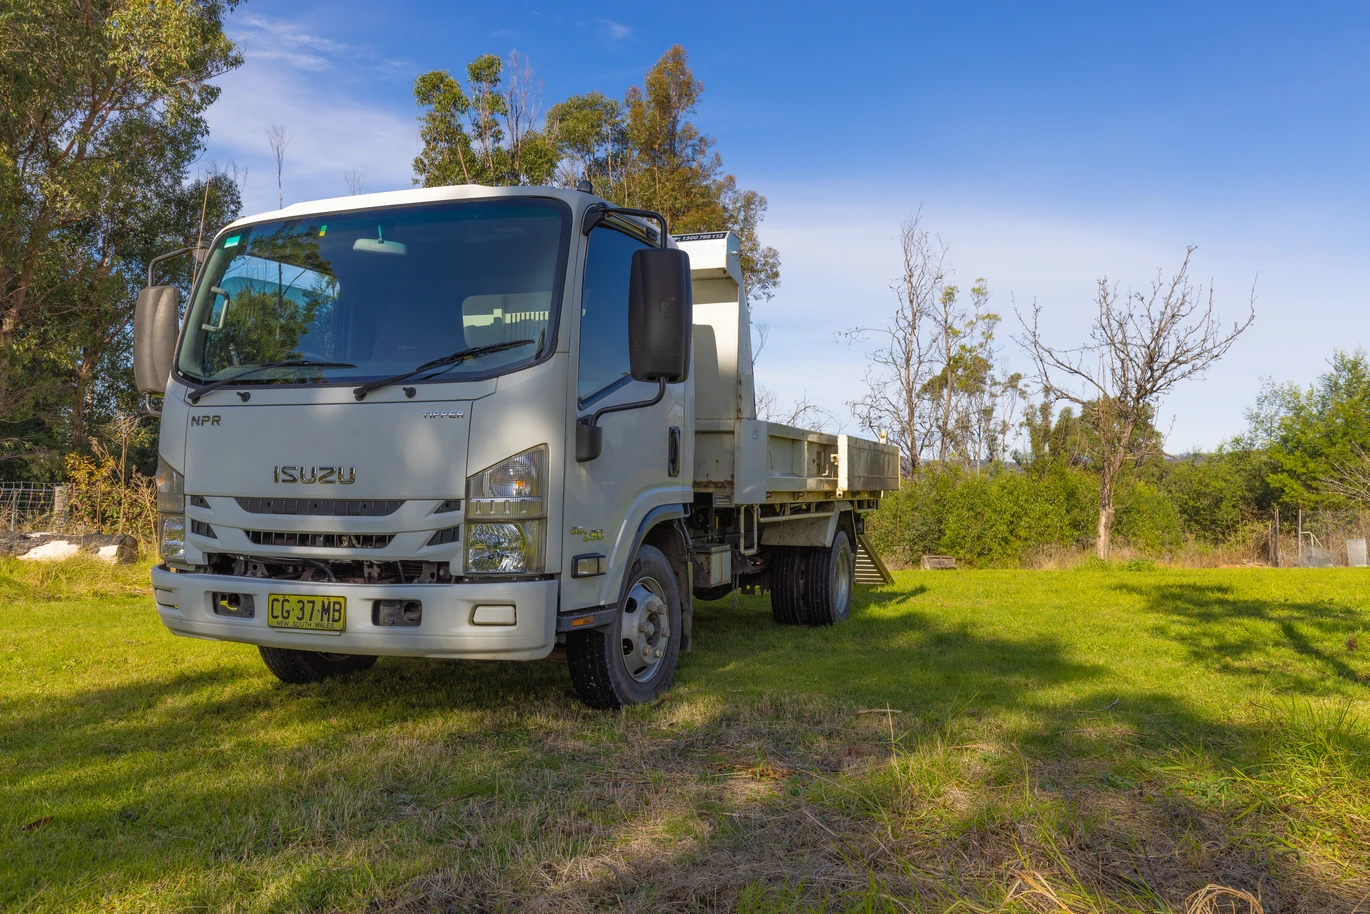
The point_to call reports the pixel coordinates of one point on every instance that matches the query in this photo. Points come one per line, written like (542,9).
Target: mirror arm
(150,410)
(151,264)
(590,437)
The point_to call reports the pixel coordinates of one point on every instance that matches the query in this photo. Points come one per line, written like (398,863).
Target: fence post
(1277,536)
(59,505)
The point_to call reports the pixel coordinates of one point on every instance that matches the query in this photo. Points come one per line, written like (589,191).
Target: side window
(604,311)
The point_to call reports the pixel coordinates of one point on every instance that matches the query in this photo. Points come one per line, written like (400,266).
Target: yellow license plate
(312,613)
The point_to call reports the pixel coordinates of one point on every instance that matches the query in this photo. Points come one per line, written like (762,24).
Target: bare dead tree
(356,184)
(803,412)
(948,318)
(522,104)
(280,142)
(901,366)
(761,333)
(1350,480)
(1141,345)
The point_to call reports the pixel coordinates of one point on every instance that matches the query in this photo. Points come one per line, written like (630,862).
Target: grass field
(1089,740)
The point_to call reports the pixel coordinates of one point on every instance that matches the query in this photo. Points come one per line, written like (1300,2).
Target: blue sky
(1048,144)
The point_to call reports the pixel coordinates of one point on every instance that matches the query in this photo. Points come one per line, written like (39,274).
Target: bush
(1147,520)
(1211,508)
(103,497)
(1217,495)
(987,519)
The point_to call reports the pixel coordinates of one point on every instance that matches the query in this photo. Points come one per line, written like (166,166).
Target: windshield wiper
(444,362)
(199,392)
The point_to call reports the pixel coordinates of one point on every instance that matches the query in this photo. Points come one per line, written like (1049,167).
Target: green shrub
(1147,520)
(986,519)
(1216,495)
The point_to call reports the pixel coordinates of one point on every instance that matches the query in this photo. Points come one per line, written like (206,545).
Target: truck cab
(474,423)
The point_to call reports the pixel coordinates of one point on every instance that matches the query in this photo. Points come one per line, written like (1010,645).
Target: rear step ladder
(870,571)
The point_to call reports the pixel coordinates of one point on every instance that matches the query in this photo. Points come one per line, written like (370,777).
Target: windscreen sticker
(322,229)
(232,242)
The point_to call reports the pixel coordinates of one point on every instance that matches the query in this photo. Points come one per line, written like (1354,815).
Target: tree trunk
(1105,541)
(78,416)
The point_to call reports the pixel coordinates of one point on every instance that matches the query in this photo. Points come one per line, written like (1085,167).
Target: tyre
(789,569)
(829,581)
(633,660)
(299,667)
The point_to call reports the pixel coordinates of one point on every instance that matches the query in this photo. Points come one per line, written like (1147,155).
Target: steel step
(870,571)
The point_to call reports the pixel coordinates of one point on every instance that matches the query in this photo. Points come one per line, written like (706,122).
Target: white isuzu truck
(476,423)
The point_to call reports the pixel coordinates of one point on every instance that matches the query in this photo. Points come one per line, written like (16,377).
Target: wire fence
(25,505)
(1319,539)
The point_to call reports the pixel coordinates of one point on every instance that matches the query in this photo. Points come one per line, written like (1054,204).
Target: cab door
(643,462)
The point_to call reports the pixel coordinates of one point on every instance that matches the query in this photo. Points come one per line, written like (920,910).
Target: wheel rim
(644,626)
(844,580)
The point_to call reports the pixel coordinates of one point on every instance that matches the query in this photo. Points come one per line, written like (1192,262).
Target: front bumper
(185,603)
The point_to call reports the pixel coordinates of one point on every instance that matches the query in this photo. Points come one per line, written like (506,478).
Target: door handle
(673,451)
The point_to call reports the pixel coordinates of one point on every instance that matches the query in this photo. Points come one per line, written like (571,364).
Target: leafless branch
(279,141)
(1140,346)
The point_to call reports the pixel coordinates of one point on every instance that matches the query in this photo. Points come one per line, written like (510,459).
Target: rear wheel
(633,660)
(789,569)
(300,667)
(828,583)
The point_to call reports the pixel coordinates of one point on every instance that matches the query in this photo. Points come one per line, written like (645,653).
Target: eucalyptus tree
(101,115)
(642,152)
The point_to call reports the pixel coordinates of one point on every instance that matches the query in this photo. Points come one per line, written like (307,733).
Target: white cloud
(616,31)
(263,39)
(336,126)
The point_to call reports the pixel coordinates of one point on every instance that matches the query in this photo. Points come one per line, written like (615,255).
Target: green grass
(1089,740)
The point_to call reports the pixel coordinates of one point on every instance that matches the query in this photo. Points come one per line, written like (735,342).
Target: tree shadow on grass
(1129,802)
(892,651)
(221,777)
(1224,630)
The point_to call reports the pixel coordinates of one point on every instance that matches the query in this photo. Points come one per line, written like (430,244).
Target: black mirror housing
(156,324)
(660,315)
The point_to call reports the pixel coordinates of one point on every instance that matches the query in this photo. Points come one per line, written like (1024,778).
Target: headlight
(504,548)
(171,518)
(171,489)
(504,507)
(172,537)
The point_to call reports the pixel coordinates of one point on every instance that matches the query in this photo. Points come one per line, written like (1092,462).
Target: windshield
(382,289)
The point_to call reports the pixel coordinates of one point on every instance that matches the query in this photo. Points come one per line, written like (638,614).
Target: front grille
(321,507)
(320,540)
(200,528)
(445,536)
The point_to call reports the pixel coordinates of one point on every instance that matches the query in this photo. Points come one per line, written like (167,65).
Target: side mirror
(156,323)
(660,315)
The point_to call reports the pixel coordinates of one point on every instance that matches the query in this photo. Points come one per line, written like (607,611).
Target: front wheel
(299,667)
(633,660)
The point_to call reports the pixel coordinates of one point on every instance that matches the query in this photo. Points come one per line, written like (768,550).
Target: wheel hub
(645,628)
(844,579)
